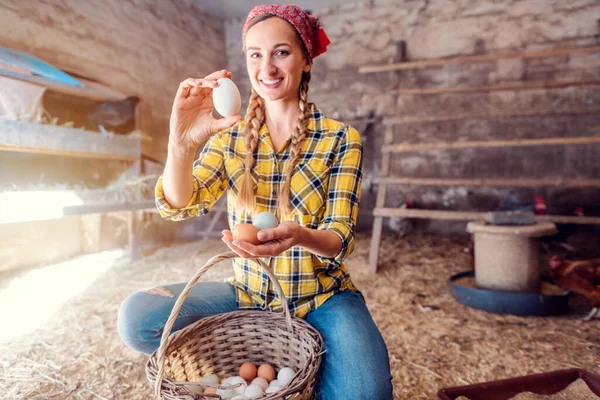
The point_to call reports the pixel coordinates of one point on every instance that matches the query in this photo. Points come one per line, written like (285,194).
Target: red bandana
(307,26)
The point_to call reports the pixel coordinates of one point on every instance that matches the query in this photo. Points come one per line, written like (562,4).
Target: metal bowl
(503,302)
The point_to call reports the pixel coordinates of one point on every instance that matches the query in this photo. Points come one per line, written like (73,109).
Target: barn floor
(434,342)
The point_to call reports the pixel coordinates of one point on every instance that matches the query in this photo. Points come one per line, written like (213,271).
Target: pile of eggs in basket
(251,383)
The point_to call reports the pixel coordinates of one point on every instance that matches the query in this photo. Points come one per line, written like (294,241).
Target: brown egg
(266,371)
(210,391)
(248,371)
(246,233)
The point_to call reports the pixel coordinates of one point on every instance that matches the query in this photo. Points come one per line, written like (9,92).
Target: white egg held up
(226,98)
(266,220)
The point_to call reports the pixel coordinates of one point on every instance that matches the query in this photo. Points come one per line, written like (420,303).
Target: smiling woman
(286,157)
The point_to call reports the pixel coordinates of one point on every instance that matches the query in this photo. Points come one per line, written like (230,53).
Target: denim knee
(130,324)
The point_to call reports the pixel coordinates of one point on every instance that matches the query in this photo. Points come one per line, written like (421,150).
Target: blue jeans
(355,365)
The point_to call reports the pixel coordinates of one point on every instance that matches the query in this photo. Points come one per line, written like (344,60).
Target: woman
(285,157)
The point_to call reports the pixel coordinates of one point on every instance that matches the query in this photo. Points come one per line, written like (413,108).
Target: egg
(195,388)
(253,391)
(234,380)
(285,375)
(246,233)
(272,389)
(211,379)
(262,382)
(266,220)
(266,371)
(226,98)
(275,382)
(248,371)
(226,393)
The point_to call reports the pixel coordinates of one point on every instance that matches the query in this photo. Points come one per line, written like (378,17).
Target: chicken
(581,277)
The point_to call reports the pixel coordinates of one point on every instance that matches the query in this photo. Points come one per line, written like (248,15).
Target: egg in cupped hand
(246,233)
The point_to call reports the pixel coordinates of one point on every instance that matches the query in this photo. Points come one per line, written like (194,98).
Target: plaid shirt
(325,188)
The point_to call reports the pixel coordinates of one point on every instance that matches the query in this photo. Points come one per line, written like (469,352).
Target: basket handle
(165,340)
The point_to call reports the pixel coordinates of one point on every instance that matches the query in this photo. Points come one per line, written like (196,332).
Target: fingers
(219,74)
(228,122)
(270,249)
(266,235)
(237,250)
(193,86)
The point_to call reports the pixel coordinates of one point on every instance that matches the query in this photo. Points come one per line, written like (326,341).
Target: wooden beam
(21,136)
(43,205)
(473,216)
(438,62)
(107,208)
(90,90)
(380,202)
(464,116)
(399,148)
(516,183)
(499,87)
(429,214)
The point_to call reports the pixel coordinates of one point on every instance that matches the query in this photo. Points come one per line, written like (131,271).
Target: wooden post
(91,225)
(381,194)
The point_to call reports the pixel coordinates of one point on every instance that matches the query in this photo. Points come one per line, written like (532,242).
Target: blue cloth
(355,365)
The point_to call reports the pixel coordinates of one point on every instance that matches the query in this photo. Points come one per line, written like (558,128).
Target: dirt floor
(434,342)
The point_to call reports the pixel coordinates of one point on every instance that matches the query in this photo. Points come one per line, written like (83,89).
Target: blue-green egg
(266,220)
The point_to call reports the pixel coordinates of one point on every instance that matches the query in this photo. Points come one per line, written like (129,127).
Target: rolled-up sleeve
(344,193)
(210,182)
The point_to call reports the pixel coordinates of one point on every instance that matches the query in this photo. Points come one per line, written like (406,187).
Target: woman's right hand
(192,122)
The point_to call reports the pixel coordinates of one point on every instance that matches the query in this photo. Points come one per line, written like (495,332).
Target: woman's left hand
(275,241)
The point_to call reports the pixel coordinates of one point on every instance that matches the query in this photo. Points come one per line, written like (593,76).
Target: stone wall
(369,34)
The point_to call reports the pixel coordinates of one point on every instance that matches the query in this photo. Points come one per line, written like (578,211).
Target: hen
(582,277)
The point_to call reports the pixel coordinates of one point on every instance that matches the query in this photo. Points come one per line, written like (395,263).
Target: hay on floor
(433,341)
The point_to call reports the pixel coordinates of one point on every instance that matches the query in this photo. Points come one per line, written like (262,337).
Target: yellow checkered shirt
(325,188)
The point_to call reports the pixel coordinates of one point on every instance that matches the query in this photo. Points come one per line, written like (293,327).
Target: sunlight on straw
(31,300)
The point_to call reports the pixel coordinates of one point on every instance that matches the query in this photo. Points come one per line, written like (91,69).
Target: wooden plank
(110,207)
(499,87)
(90,90)
(473,216)
(380,202)
(399,148)
(430,214)
(464,116)
(21,136)
(516,183)
(43,205)
(438,62)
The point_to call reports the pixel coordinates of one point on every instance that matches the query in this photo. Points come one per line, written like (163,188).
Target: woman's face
(275,60)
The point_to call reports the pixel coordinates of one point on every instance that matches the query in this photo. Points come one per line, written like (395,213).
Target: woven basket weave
(222,343)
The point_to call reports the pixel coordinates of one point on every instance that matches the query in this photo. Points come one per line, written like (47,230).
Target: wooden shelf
(90,90)
(499,87)
(400,148)
(510,183)
(467,116)
(439,62)
(21,136)
(471,216)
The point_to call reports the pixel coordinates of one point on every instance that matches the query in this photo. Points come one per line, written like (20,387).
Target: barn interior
(480,125)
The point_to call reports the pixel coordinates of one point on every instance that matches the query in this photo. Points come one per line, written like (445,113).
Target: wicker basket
(222,343)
